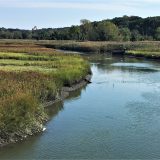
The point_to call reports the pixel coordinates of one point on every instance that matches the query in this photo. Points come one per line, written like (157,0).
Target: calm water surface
(117,116)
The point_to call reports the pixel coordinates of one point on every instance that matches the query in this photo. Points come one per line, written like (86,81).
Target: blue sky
(25,14)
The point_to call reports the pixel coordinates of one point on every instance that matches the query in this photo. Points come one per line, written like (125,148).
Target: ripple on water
(145,67)
(145,114)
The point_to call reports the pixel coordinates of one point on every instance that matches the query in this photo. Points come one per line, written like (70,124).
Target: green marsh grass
(29,79)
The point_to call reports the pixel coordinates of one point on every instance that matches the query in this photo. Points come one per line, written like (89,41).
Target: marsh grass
(142,48)
(144,53)
(30,78)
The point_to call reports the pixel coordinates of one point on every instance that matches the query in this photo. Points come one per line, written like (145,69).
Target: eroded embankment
(65,91)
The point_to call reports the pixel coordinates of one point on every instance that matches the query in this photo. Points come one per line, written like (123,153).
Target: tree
(85,28)
(120,28)
(108,31)
(17,35)
(74,32)
(125,34)
(26,34)
(3,34)
(157,34)
(136,36)
(35,35)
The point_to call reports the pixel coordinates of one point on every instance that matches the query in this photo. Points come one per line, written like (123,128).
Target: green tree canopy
(108,31)
(157,34)
(125,34)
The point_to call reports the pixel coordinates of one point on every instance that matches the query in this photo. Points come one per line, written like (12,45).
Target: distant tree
(108,31)
(84,21)
(35,34)
(34,28)
(93,34)
(2,34)
(74,32)
(157,34)
(17,35)
(125,34)
(26,34)
(86,29)
(122,22)
(118,28)
(9,35)
(43,34)
(136,36)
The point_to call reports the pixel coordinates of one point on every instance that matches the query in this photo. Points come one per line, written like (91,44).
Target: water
(115,117)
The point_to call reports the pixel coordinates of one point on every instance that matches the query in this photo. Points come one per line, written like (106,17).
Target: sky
(25,14)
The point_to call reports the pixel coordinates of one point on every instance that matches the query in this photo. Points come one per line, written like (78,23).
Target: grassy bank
(141,48)
(147,48)
(31,75)
(147,54)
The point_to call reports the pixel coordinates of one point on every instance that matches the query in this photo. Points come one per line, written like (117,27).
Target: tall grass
(29,79)
(145,48)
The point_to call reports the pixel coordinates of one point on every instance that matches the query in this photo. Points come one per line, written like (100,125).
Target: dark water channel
(117,116)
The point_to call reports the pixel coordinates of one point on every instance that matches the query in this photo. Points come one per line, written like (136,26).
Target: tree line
(126,28)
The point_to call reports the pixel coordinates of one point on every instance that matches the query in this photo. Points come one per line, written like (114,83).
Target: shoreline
(143,54)
(146,49)
(65,92)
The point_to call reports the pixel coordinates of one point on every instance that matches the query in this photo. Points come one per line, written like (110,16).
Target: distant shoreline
(146,49)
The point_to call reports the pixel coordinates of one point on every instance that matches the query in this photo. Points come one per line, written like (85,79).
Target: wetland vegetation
(150,49)
(31,75)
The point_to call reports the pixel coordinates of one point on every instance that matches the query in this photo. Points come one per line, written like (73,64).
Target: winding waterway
(117,116)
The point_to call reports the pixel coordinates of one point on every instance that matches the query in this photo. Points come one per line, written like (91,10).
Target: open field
(31,75)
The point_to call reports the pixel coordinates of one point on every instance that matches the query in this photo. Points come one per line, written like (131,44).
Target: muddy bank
(65,92)
(8,138)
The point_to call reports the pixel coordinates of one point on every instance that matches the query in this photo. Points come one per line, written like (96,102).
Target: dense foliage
(124,28)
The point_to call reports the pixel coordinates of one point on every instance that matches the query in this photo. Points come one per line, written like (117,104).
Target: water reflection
(53,110)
